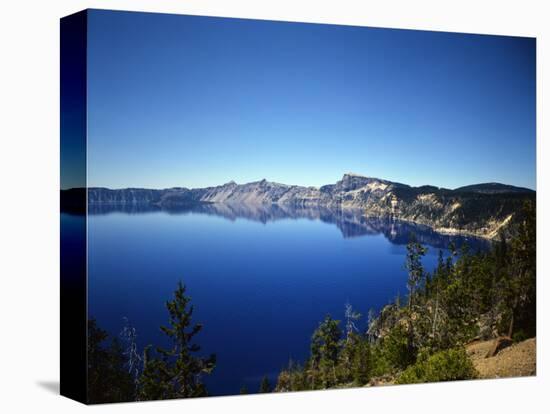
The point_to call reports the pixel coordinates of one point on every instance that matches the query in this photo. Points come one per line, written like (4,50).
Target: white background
(29,184)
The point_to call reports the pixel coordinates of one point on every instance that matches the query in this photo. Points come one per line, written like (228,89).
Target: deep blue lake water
(261,278)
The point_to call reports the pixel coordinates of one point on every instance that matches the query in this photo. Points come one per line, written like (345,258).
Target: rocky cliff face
(481,210)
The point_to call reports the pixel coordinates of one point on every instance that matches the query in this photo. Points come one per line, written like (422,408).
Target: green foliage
(265,386)
(361,361)
(469,295)
(520,336)
(523,285)
(108,379)
(116,374)
(449,365)
(325,347)
(354,362)
(294,378)
(380,366)
(325,341)
(413,264)
(176,372)
(395,349)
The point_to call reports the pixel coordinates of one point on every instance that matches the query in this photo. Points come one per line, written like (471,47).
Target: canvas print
(264,207)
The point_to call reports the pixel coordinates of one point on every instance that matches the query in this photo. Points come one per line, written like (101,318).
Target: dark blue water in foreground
(260,278)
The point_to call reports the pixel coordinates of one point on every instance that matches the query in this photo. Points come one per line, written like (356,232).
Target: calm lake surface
(261,278)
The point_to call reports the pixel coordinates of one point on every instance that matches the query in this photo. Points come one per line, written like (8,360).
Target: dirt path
(518,360)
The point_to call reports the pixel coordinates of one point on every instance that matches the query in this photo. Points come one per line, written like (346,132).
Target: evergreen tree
(177,372)
(295,378)
(521,302)
(424,339)
(325,346)
(362,364)
(265,386)
(413,264)
(108,379)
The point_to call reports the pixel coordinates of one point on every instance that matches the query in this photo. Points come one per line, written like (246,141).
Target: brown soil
(517,360)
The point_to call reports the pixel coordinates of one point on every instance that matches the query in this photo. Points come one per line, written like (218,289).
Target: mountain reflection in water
(350,222)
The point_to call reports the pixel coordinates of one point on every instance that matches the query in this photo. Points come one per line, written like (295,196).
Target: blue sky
(197,101)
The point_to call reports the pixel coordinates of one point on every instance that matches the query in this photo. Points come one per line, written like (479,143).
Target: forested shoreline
(469,296)
(485,295)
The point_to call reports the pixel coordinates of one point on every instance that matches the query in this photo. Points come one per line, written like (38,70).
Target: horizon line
(298,185)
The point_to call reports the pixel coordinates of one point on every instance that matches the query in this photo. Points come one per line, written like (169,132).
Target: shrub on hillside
(449,365)
(396,350)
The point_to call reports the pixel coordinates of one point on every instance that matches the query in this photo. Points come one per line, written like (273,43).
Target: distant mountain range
(482,210)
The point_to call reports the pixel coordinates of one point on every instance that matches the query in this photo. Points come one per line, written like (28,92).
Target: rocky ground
(517,360)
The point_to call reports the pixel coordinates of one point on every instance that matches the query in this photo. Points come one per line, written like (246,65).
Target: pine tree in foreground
(325,347)
(177,372)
